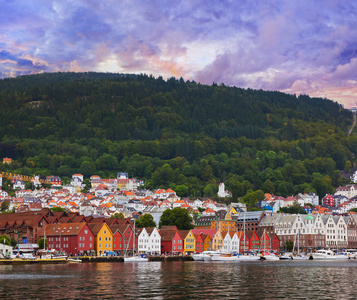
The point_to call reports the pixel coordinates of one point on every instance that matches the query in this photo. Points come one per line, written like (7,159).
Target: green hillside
(174,133)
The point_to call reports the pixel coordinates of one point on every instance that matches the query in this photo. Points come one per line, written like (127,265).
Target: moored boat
(247,258)
(201,256)
(323,254)
(222,257)
(286,256)
(269,256)
(74,260)
(137,258)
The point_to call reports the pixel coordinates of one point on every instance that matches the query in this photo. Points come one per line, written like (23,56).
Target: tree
(5,206)
(181,190)
(117,216)
(57,208)
(289,245)
(293,209)
(42,243)
(177,216)
(146,220)
(4,239)
(163,176)
(210,190)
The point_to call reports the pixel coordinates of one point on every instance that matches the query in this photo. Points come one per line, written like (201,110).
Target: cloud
(292,46)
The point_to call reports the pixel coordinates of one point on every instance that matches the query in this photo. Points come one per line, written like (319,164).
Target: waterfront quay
(151,258)
(90,259)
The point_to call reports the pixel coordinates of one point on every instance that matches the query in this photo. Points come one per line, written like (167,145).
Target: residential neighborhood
(87,226)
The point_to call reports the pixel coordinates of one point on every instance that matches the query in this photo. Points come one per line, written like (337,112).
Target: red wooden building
(199,243)
(275,242)
(70,238)
(243,241)
(123,238)
(167,236)
(178,241)
(265,242)
(254,241)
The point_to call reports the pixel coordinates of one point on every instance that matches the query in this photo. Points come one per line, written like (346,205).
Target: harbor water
(181,280)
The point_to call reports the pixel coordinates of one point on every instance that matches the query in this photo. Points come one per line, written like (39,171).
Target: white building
(149,240)
(349,191)
(336,231)
(5,251)
(231,242)
(222,192)
(18,184)
(303,199)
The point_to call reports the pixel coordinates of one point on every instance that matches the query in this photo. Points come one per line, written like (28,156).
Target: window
(100,238)
(105,232)
(85,231)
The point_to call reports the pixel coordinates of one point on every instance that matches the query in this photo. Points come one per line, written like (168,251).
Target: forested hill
(99,123)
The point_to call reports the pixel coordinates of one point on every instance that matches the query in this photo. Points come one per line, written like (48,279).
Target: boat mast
(244,234)
(134,239)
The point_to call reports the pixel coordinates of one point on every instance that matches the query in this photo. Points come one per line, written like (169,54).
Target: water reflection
(180,280)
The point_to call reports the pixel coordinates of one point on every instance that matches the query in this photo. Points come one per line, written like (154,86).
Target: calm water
(181,280)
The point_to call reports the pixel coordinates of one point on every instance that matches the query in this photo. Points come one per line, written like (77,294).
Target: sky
(297,47)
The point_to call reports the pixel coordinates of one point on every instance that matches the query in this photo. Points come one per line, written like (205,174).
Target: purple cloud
(291,46)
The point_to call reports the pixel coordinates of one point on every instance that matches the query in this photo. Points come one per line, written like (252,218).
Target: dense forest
(174,133)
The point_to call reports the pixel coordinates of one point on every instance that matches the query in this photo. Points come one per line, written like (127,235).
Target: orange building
(223,225)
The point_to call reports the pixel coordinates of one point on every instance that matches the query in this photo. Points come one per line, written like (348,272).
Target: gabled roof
(167,227)
(64,229)
(183,233)
(167,235)
(210,232)
(120,228)
(96,227)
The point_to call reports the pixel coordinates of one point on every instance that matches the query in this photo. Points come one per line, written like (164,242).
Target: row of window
(83,238)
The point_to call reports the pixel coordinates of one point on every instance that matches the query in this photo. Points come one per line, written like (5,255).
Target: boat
(201,256)
(206,255)
(323,254)
(269,256)
(352,253)
(299,257)
(137,258)
(221,256)
(286,256)
(249,257)
(74,260)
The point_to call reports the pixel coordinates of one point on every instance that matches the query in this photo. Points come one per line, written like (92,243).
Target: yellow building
(103,238)
(231,212)
(207,242)
(217,242)
(190,242)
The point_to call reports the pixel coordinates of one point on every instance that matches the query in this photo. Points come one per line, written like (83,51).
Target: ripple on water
(178,280)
